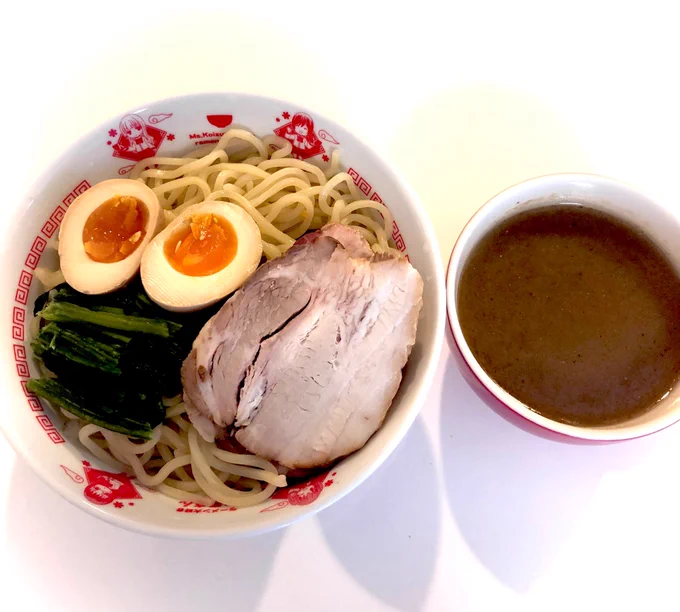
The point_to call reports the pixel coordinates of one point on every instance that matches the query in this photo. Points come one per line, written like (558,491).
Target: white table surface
(464,98)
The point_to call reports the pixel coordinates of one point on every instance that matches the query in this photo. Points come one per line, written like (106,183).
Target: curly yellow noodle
(160,463)
(296,163)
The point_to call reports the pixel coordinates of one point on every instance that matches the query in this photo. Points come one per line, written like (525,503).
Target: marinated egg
(104,233)
(201,257)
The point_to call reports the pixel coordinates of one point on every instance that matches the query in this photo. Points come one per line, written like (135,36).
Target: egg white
(179,292)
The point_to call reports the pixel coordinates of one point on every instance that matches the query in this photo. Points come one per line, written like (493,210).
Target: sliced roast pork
(353,242)
(302,363)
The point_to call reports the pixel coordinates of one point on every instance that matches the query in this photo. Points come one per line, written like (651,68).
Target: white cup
(660,223)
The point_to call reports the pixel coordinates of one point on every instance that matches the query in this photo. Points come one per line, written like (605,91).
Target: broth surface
(574,313)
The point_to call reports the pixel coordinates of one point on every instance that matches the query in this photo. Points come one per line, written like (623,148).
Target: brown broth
(574,313)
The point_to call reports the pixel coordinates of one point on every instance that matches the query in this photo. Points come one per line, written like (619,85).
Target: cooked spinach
(114,356)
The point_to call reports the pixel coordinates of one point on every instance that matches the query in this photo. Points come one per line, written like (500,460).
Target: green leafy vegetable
(114,356)
(128,414)
(55,340)
(64,312)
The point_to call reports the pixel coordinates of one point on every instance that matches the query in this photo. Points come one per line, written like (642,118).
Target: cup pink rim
(589,434)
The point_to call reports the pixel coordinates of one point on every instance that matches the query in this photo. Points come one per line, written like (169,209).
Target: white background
(464,98)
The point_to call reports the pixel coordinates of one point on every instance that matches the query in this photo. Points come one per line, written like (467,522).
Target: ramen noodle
(214,474)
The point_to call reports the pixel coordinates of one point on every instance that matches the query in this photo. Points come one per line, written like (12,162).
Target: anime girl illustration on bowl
(300,133)
(137,139)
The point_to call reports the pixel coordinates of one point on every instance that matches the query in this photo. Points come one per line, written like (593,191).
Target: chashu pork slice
(306,358)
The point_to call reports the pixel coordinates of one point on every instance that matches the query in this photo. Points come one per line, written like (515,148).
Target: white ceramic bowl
(177,125)
(660,223)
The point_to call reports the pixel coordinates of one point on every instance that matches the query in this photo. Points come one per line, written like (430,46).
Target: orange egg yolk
(204,246)
(115,229)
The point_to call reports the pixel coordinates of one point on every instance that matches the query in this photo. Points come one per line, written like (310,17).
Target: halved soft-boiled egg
(202,256)
(104,233)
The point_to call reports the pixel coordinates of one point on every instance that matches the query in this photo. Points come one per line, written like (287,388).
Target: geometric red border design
(365,188)
(49,228)
(32,260)
(22,369)
(57,215)
(359,181)
(44,421)
(68,199)
(18,319)
(399,242)
(34,404)
(21,297)
(82,187)
(25,279)
(53,222)
(27,393)
(38,245)
(37,248)
(18,316)
(23,287)
(354,174)
(55,436)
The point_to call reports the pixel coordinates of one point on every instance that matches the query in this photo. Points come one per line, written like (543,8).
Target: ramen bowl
(660,223)
(170,128)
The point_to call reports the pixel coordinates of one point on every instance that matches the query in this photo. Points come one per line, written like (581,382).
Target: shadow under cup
(659,223)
